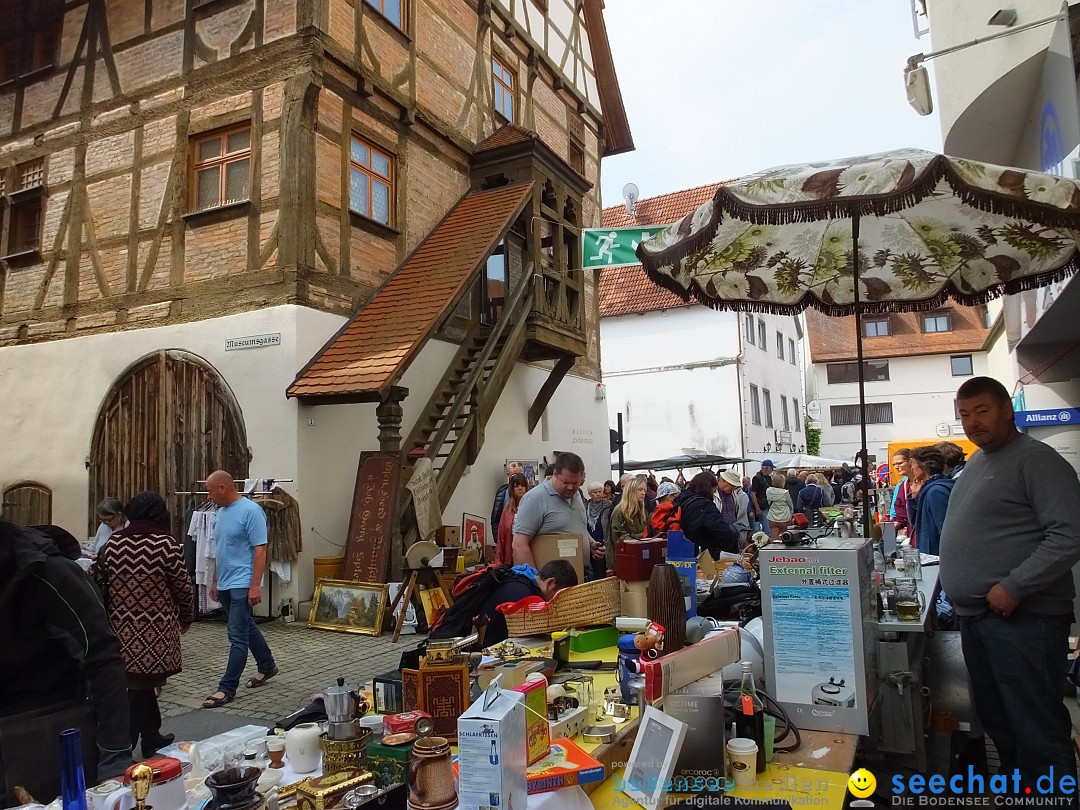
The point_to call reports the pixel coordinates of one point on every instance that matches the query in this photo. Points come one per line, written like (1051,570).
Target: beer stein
(910,602)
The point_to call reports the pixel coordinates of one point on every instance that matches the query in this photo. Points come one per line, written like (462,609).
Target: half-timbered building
(269,235)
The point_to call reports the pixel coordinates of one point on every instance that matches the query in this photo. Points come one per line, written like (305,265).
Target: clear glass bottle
(750,713)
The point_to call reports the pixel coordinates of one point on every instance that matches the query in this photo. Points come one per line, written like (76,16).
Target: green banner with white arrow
(613,247)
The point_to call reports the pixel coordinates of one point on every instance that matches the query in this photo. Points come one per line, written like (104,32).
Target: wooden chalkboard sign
(367,546)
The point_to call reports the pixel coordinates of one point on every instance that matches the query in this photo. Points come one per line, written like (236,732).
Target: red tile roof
(834,338)
(627,290)
(660,210)
(506,135)
(373,349)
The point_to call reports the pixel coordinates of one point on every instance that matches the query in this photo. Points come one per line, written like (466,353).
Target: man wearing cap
(729,486)
(762,481)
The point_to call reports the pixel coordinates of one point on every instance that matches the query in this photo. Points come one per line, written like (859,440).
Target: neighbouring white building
(687,377)
(914,362)
(1013,101)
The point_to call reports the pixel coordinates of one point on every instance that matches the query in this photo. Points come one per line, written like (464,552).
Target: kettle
(343,703)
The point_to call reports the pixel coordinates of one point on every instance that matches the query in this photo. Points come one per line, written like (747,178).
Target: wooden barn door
(27,504)
(169,421)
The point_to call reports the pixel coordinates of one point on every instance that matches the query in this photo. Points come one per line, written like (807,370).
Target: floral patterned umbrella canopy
(928,227)
(892,232)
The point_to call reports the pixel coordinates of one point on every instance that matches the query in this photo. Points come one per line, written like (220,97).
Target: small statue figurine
(650,641)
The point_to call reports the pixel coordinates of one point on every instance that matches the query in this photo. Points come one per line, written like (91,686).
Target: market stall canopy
(932,227)
(801,461)
(680,462)
(893,232)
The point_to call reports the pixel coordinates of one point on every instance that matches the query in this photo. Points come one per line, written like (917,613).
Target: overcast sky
(719,88)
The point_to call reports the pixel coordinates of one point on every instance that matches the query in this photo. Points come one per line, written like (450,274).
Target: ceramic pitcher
(302,747)
(431,775)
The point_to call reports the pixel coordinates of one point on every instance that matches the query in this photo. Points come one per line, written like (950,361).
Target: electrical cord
(773,709)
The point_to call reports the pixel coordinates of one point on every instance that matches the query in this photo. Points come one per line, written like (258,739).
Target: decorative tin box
(388,763)
(403,723)
(323,792)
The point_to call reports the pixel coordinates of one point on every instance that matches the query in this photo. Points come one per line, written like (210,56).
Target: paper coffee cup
(742,762)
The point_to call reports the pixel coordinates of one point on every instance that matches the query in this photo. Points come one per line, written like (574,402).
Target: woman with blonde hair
(629,517)
(780,506)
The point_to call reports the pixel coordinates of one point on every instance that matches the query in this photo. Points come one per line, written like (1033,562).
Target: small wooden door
(27,504)
(169,421)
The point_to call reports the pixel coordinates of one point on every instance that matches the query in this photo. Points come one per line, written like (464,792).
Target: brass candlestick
(142,777)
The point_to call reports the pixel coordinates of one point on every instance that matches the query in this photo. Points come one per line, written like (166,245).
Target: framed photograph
(531,468)
(656,750)
(351,607)
(473,538)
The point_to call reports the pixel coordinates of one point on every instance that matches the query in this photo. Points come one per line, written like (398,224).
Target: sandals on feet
(213,702)
(255,681)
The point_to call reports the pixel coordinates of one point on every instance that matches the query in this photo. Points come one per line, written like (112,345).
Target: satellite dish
(630,195)
(917,85)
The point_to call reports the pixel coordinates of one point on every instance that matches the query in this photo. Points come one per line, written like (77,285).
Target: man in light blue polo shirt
(555,507)
(240,533)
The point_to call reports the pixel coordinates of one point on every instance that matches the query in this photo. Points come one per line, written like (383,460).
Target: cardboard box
(566,765)
(448,536)
(701,706)
(538,737)
(569,547)
(491,752)
(819,626)
(688,571)
(634,599)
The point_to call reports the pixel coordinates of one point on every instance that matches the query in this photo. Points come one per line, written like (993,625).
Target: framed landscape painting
(350,607)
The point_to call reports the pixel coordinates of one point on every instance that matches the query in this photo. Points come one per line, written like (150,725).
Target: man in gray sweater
(1010,540)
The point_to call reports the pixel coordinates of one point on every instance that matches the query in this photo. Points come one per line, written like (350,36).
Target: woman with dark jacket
(701,520)
(929,499)
(149,601)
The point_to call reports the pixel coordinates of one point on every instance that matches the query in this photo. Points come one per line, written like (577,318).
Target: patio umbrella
(892,232)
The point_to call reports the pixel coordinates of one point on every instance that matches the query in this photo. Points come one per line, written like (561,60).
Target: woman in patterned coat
(150,602)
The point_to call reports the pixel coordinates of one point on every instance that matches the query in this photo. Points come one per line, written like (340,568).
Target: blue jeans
(1016,667)
(244,634)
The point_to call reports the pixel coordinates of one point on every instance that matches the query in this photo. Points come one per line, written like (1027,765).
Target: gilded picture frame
(349,607)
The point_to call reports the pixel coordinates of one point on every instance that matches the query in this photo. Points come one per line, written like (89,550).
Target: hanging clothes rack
(267,573)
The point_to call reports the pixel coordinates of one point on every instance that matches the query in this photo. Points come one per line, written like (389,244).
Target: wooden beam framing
(547,390)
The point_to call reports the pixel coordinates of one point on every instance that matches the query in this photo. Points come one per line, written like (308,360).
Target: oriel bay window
(221,167)
(371,181)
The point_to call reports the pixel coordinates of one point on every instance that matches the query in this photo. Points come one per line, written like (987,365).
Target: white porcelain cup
(742,762)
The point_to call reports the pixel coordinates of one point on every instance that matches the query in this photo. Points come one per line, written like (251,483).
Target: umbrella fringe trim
(695,294)
(724,202)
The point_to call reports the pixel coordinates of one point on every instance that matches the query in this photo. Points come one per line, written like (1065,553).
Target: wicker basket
(594,602)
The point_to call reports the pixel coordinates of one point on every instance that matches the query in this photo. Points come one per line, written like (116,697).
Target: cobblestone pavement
(308,661)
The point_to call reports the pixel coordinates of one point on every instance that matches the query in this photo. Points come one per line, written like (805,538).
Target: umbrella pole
(864,463)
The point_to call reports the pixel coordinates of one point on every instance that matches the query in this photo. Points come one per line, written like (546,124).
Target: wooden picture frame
(349,607)
(474,538)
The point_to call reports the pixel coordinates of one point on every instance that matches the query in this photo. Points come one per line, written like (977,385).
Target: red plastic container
(635,559)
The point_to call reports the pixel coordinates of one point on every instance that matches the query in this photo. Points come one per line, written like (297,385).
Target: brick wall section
(150,61)
(109,206)
(214,250)
(125,19)
(327,171)
(432,165)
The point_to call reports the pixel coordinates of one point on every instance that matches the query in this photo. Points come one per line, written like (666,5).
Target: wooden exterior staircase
(450,430)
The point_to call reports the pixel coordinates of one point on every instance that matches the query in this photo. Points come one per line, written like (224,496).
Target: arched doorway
(27,504)
(167,422)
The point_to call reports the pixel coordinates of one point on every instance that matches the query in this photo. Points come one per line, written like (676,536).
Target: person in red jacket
(666,516)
